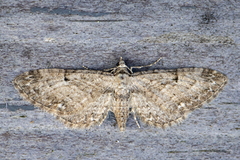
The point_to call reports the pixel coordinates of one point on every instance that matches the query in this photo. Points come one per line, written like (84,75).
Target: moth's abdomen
(121,111)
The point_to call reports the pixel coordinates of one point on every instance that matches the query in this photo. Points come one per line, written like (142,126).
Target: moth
(83,98)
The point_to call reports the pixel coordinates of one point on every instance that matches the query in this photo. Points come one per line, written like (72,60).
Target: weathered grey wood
(185,34)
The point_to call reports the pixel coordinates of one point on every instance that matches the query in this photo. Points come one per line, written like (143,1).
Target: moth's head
(122,68)
(121,62)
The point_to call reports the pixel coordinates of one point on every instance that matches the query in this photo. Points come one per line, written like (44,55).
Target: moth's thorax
(123,86)
(122,77)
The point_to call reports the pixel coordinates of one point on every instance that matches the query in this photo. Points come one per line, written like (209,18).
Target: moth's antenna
(149,65)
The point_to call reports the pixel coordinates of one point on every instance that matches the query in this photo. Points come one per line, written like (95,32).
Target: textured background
(70,34)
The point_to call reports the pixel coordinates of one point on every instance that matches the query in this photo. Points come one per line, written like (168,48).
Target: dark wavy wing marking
(164,97)
(74,96)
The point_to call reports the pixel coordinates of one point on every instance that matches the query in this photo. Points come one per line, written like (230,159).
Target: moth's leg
(134,115)
(85,67)
(149,65)
(103,118)
(110,69)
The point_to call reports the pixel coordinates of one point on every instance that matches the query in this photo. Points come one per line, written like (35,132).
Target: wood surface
(95,34)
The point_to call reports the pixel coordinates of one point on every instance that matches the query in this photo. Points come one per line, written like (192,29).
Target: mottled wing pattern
(69,94)
(164,97)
